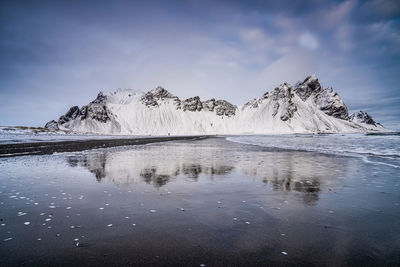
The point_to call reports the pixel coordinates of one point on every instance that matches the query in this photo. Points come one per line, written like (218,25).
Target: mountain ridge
(306,107)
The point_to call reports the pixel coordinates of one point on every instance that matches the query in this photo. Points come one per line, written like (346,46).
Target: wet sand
(43,148)
(208,202)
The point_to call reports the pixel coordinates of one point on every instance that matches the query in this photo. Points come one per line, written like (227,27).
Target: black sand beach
(43,148)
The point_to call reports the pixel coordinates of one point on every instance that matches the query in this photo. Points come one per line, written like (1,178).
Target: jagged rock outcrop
(95,111)
(221,107)
(363,117)
(52,125)
(153,97)
(308,87)
(283,98)
(100,99)
(254,103)
(327,100)
(224,108)
(71,114)
(251,104)
(209,104)
(192,104)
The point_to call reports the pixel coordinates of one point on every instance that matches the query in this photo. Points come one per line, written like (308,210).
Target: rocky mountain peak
(192,104)
(252,104)
(223,107)
(325,98)
(71,114)
(307,87)
(159,93)
(283,98)
(363,117)
(101,98)
(52,125)
(284,90)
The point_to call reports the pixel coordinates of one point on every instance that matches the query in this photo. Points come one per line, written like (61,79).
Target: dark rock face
(52,125)
(96,112)
(254,103)
(283,91)
(327,100)
(331,103)
(100,99)
(192,104)
(83,112)
(209,104)
(363,117)
(152,97)
(308,87)
(221,107)
(72,113)
(283,96)
(225,108)
(251,104)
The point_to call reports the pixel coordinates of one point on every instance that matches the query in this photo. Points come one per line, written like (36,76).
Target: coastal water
(237,201)
(377,148)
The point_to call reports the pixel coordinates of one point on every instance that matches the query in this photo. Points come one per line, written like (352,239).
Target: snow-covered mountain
(306,107)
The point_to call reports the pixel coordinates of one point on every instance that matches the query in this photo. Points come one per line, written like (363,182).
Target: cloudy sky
(54,54)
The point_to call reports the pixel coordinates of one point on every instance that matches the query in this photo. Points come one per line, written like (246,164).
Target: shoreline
(44,148)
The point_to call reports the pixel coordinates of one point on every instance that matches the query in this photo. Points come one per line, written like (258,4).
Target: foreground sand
(42,148)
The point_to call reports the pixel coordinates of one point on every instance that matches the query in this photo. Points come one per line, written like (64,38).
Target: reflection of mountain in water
(299,172)
(96,164)
(157,164)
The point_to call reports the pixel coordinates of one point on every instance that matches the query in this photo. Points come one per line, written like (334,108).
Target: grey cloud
(64,52)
